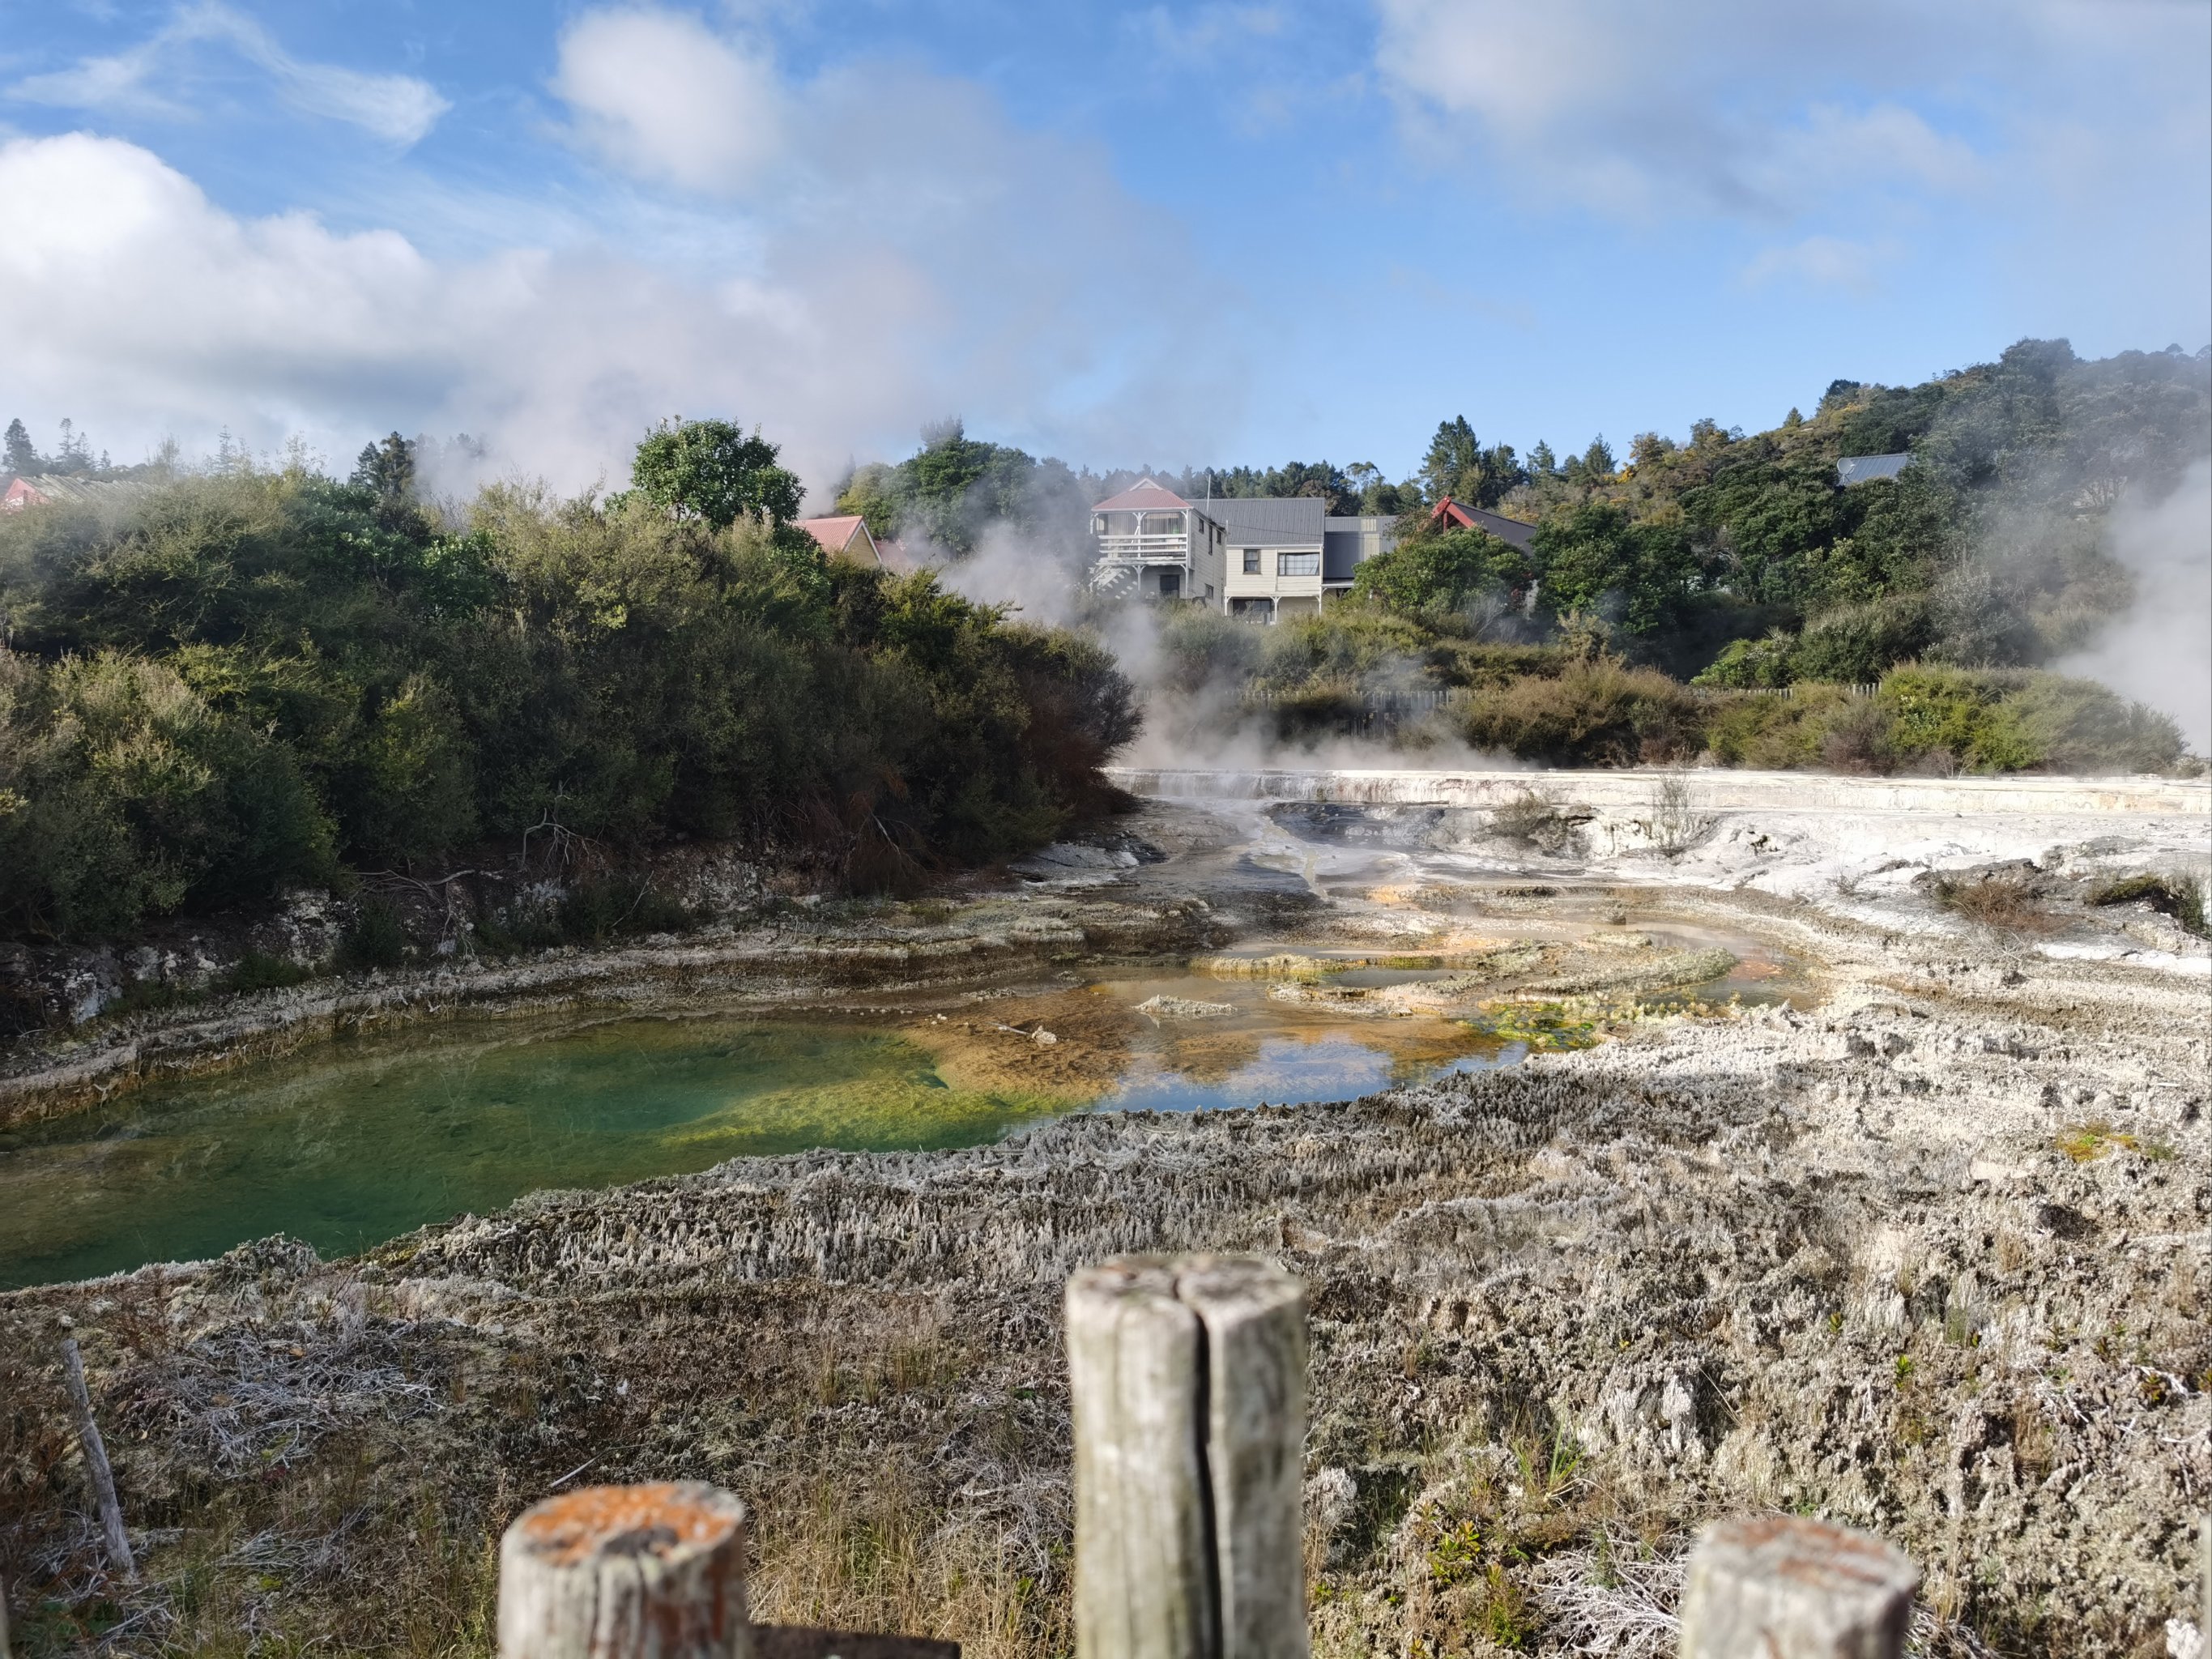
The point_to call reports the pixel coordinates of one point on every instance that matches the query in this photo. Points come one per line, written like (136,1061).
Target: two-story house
(1259,558)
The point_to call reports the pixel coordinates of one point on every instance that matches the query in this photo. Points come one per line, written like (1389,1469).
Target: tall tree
(1458,466)
(22,458)
(713,469)
(388,468)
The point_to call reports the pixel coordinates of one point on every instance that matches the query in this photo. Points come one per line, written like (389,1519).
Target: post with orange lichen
(626,1572)
(1782,1587)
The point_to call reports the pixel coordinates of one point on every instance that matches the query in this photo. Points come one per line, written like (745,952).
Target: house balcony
(1144,550)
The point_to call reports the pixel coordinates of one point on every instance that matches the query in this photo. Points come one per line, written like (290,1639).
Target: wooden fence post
(95,1462)
(1780,1587)
(626,1572)
(1189,1383)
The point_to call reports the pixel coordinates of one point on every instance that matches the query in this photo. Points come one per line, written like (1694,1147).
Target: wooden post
(626,1572)
(1780,1587)
(95,1462)
(1189,1380)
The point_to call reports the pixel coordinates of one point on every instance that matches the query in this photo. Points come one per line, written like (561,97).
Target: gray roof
(1269,521)
(1513,532)
(1863,469)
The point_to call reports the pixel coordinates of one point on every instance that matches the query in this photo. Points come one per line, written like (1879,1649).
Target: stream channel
(351,1144)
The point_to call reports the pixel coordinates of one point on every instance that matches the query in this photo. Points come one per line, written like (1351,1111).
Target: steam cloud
(2160,653)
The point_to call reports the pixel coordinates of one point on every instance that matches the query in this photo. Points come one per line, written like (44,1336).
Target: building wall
(1271,582)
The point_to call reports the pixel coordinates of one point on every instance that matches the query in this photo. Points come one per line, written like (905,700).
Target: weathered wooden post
(96,1463)
(1782,1587)
(626,1572)
(1189,1378)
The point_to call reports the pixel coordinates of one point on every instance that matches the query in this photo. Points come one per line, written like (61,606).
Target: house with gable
(1259,558)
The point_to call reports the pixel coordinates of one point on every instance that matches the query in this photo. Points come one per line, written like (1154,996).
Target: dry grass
(2008,902)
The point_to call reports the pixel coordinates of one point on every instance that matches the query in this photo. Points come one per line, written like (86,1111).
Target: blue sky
(1120,234)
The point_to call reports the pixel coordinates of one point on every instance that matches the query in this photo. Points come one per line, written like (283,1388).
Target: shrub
(2079,727)
(597,912)
(377,938)
(1747,664)
(2181,897)
(1773,732)
(123,796)
(2004,902)
(1598,712)
(258,971)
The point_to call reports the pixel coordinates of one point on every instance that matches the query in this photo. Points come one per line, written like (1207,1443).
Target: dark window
(1251,561)
(1170,584)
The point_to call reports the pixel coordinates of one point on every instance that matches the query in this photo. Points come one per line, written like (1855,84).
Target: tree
(1441,575)
(22,458)
(1597,559)
(1542,462)
(1458,466)
(1597,459)
(712,470)
(388,468)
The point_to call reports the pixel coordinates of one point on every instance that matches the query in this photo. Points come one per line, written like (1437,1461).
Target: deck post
(1783,1587)
(1189,1383)
(654,1572)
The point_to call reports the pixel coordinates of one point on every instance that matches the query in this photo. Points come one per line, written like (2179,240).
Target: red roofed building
(1511,531)
(19,494)
(845,538)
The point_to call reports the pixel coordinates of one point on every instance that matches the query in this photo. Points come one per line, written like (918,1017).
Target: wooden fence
(1186,1376)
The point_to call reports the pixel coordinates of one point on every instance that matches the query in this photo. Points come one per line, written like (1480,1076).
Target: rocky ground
(1924,1249)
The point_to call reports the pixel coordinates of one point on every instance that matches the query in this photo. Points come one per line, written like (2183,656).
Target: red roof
(20,494)
(836,534)
(1143,496)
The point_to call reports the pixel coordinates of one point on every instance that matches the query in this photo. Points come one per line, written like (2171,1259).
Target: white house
(1263,559)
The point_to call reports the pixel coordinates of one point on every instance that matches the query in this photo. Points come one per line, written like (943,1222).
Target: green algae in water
(349,1147)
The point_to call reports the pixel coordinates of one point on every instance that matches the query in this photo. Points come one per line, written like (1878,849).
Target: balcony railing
(1148,549)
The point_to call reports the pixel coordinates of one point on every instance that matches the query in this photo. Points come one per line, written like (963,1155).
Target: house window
(1251,561)
(1298,564)
(1170,584)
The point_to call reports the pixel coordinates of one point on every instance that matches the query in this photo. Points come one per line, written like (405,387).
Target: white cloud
(659,95)
(1771,112)
(918,256)
(396,107)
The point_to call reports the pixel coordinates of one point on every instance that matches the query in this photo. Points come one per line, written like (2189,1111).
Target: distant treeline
(221,686)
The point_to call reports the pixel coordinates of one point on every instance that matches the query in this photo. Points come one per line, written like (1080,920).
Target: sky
(1166,234)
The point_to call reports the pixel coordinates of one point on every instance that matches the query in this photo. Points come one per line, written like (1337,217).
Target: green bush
(258,971)
(1747,664)
(125,796)
(233,684)
(377,938)
(1595,712)
(599,912)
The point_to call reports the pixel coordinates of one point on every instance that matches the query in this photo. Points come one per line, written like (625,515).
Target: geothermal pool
(357,1143)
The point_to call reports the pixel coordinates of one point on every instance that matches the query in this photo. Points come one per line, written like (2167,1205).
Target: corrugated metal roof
(1144,495)
(1268,520)
(42,487)
(1865,469)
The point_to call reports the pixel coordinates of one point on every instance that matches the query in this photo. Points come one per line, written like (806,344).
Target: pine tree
(22,458)
(388,468)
